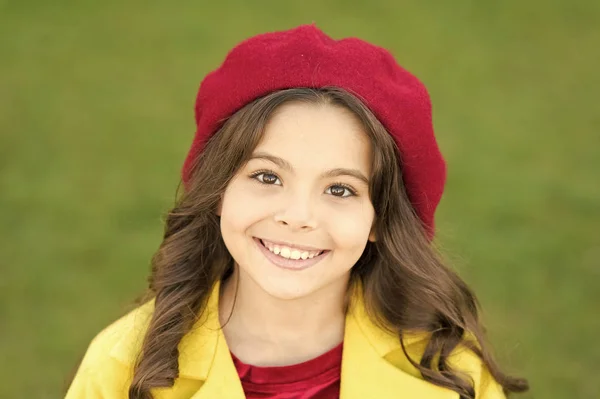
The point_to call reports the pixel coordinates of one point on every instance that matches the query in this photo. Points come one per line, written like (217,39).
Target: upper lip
(290,245)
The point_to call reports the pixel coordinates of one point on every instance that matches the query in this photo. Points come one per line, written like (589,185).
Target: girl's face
(297,216)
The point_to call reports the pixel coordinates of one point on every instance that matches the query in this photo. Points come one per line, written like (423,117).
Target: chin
(286,291)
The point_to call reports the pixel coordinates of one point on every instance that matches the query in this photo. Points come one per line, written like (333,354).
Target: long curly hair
(407,287)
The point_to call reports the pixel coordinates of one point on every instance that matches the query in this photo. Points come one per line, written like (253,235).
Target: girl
(298,262)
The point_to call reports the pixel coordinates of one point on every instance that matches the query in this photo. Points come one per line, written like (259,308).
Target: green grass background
(96,115)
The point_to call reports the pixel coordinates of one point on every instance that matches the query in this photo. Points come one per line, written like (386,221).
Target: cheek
(350,230)
(239,210)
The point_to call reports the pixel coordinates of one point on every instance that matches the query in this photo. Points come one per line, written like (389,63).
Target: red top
(318,378)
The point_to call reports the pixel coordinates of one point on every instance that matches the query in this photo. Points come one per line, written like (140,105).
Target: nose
(297,214)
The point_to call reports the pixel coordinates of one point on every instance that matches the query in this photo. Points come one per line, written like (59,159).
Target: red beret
(307,57)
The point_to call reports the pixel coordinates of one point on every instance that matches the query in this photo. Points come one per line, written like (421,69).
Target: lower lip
(290,264)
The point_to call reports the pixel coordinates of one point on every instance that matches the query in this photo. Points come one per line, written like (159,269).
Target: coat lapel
(222,380)
(365,371)
(205,356)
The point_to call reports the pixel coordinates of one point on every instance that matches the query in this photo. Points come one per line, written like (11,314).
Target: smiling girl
(298,262)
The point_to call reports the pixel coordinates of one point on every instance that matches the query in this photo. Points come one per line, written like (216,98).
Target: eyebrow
(282,163)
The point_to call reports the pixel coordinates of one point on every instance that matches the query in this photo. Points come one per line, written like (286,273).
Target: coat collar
(204,355)
(366,372)
(197,349)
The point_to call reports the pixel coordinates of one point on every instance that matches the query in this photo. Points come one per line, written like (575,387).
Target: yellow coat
(373,364)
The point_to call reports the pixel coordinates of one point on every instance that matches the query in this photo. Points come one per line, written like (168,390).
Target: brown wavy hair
(407,286)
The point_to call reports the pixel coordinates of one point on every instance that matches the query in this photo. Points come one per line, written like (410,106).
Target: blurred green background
(96,115)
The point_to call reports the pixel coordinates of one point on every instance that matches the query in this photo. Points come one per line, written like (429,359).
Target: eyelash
(350,189)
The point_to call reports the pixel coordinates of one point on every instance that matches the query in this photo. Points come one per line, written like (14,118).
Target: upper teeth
(290,253)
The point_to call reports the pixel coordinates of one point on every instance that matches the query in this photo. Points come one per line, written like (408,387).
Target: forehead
(317,136)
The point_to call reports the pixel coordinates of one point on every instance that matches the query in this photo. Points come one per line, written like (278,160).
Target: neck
(267,331)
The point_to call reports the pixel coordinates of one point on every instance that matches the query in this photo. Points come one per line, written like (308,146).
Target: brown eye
(266,178)
(269,179)
(340,191)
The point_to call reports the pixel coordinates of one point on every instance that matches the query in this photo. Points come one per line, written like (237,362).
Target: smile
(290,257)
